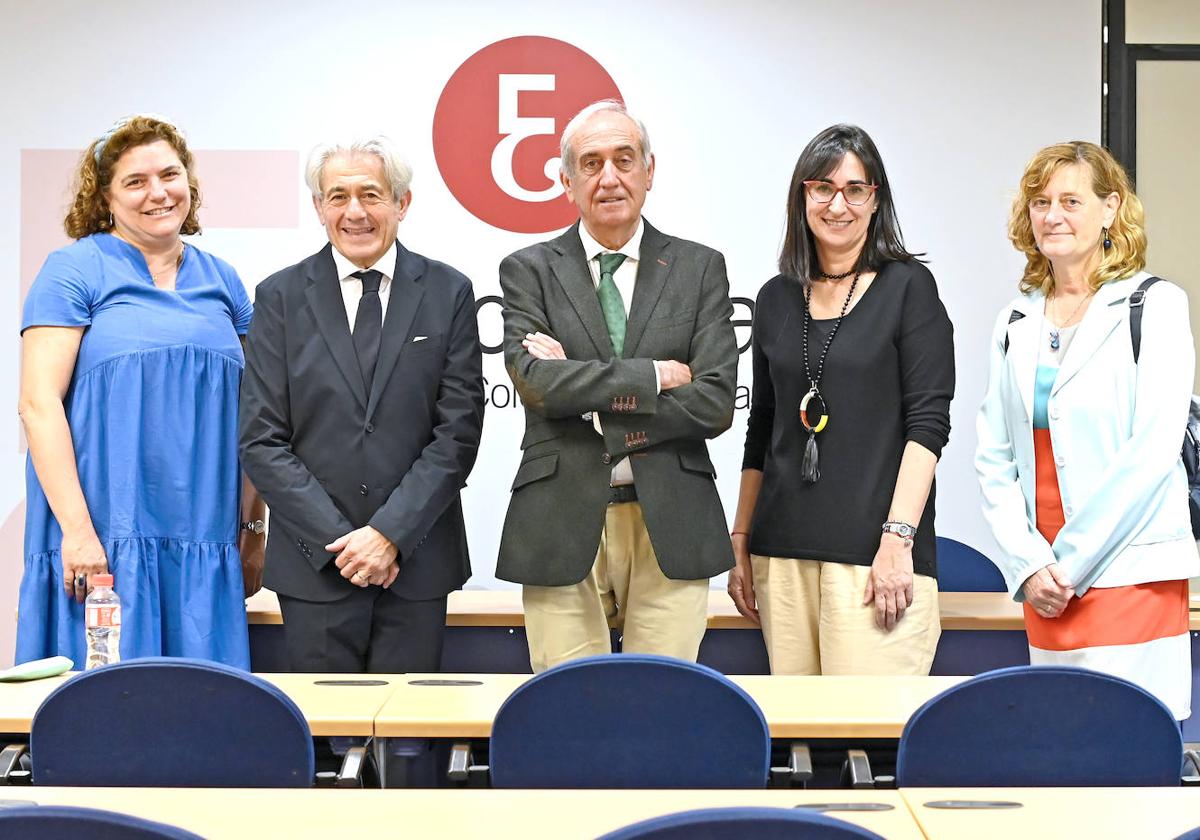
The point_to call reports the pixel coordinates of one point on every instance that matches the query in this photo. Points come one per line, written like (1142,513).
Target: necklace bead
(841,276)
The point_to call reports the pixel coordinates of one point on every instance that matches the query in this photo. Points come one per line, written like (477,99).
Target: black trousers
(370,631)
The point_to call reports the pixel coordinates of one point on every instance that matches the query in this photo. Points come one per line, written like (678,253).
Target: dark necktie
(368,324)
(610,300)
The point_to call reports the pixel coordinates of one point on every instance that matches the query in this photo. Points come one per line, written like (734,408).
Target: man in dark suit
(618,340)
(362,407)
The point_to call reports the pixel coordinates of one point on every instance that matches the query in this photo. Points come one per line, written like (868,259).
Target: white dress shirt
(625,278)
(352,287)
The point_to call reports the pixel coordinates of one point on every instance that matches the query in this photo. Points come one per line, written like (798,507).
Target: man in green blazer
(618,340)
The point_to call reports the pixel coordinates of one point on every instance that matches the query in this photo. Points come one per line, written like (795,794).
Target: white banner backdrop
(956,95)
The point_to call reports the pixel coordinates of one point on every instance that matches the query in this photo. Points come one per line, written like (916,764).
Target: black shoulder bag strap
(1136,300)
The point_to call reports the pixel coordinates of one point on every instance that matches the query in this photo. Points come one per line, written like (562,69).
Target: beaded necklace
(809,470)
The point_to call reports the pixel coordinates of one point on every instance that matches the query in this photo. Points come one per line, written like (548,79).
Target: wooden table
(502,608)
(329,709)
(1094,813)
(499,814)
(332,705)
(19,701)
(795,707)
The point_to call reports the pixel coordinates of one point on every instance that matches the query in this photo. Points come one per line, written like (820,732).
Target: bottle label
(108,616)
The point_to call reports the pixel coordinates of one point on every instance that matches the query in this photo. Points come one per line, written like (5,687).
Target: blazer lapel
(570,267)
(654,264)
(1023,337)
(1106,311)
(404,298)
(324,295)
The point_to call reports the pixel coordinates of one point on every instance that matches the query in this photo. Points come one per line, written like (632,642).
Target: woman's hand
(741,579)
(251,547)
(890,585)
(82,554)
(1048,591)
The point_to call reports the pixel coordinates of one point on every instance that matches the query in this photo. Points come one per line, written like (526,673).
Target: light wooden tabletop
(1094,813)
(499,814)
(464,705)
(502,608)
(331,704)
(19,701)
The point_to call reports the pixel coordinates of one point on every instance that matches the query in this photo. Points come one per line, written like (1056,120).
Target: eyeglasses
(823,192)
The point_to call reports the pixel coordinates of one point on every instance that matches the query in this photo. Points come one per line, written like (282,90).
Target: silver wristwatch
(903,530)
(255,527)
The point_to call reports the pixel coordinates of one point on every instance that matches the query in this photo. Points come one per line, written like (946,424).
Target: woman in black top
(853,375)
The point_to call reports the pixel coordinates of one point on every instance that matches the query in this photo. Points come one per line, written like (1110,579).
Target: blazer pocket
(535,469)
(425,345)
(540,433)
(674,319)
(697,462)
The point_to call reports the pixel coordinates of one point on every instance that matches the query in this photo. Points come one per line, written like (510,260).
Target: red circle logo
(497,125)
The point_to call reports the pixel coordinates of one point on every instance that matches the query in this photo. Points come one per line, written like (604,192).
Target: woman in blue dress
(130,373)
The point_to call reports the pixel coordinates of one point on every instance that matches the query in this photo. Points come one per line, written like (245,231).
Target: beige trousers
(655,613)
(814,621)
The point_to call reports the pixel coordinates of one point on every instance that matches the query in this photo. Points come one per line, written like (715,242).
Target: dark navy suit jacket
(329,457)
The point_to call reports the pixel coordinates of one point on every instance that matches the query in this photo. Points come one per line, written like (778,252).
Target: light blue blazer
(1116,428)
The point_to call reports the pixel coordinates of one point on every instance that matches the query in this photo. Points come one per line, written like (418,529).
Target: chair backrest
(629,721)
(1040,726)
(963,569)
(743,824)
(162,721)
(58,822)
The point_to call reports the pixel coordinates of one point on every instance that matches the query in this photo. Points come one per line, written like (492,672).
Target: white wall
(957,96)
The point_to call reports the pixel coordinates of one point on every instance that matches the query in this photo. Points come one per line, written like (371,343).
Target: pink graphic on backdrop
(238,189)
(12,552)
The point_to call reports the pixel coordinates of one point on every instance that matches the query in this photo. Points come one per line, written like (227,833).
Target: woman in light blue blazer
(1078,456)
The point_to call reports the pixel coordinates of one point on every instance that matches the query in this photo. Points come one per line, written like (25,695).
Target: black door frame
(1121,59)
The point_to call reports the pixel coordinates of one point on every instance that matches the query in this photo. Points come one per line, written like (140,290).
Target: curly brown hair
(1126,256)
(89,211)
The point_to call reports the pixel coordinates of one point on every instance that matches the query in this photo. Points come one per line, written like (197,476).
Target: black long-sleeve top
(888,379)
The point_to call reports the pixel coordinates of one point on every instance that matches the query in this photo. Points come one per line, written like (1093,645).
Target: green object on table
(37,669)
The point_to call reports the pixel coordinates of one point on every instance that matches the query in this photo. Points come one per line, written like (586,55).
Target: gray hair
(396,169)
(567,154)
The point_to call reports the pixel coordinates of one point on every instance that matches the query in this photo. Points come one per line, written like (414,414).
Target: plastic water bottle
(103,616)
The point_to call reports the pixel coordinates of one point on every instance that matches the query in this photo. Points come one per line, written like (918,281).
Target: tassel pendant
(809,468)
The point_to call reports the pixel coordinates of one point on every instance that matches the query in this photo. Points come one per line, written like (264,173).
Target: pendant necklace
(814,413)
(178,263)
(1055,340)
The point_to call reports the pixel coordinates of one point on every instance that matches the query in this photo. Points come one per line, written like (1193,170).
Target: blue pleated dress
(152,408)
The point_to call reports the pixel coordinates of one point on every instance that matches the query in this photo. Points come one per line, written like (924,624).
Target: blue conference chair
(743,824)
(169,722)
(963,569)
(1041,726)
(629,721)
(57,822)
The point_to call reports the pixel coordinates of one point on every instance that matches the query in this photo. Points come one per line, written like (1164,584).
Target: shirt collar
(630,249)
(385,265)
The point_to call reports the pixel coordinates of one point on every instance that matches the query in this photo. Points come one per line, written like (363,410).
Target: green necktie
(610,300)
